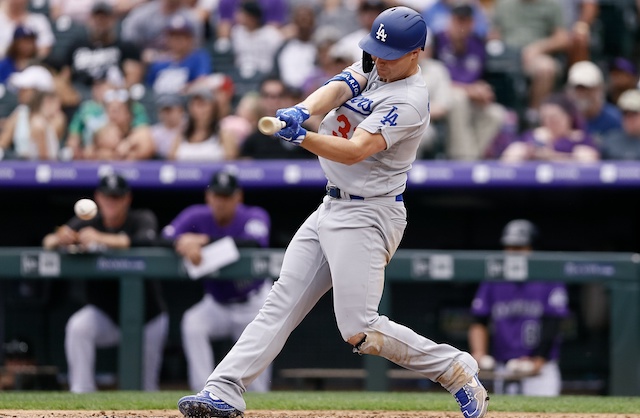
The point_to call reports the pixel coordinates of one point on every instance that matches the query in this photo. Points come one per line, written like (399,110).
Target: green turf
(280,400)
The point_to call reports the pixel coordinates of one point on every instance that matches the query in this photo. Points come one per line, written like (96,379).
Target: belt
(336,193)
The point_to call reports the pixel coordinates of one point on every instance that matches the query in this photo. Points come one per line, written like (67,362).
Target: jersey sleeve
(557,303)
(182,223)
(481,304)
(395,120)
(258,226)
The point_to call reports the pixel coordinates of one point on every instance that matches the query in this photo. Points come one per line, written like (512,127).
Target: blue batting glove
(294,134)
(296,113)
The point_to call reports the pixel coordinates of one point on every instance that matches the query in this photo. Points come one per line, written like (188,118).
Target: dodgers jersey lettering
(400,112)
(516,310)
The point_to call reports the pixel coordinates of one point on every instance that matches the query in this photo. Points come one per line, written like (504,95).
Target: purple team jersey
(466,67)
(251,224)
(516,310)
(563,144)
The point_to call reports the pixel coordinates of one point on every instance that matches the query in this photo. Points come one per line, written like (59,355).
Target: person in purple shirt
(438,15)
(475,118)
(560,137)
(524,317)
(228,305)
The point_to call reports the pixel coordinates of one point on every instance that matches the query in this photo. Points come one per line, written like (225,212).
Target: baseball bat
(269,125)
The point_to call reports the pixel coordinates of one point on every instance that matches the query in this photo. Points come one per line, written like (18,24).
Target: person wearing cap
(474,118)
(374,115)
(170,125)
(586,86)
(34,129)
(623,76)
(21,53)
(520,320)
(14,13)
(232,304)
(624,144)
(561,136)
(438,16)
(182,64)
(89,57)
(202,139)
(95,325)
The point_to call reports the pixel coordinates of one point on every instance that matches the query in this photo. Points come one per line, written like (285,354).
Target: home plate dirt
(292,414)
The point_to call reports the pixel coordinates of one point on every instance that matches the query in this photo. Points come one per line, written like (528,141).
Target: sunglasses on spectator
(116,95)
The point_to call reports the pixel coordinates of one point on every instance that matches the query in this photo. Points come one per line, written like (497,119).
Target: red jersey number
(344,128)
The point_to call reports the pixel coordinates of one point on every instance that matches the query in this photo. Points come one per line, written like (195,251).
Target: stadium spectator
(80,11)
(474,118)
(273,13)
(96,324)
(21,53)
(92,114)
(131,141)
(338,15)
(14,13)
(586,86)
(202,139)
(329,60)
(254,46)
(182,64)
(145,25)
(300,49)
(367,12)
(535,28)
(274,95)
(34,129)
(580,17)
(625,144)
(232,303)
(88,57)
(520,320)
(438,79)
(170,125)
(244,119)
(561,136)
(623,76)
(439,15)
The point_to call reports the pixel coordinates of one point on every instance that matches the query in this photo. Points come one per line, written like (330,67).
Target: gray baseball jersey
(345,245)
(400,112)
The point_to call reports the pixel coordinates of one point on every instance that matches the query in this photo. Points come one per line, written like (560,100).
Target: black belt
(337,194)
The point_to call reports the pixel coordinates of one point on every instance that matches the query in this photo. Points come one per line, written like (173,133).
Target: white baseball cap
(33,77)
(630,100)
(585,73)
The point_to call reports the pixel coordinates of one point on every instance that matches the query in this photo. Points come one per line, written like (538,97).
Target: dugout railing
(619,271)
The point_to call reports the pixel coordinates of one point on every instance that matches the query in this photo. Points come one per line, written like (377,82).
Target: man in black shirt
(95,325)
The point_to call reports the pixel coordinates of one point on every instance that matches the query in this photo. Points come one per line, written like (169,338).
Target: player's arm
(478,337)
(362,145)
(334,92)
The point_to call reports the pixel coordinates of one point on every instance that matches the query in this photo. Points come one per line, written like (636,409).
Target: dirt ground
(292,414)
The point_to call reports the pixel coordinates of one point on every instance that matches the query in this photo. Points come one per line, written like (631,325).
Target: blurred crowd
(509,80)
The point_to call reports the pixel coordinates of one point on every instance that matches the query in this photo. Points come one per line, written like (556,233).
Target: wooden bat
(269,125)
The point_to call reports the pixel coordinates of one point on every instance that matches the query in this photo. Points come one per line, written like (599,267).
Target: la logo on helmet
(381,34)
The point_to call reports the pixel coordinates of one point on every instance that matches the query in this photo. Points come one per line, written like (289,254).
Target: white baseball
(85,209)
(487,362)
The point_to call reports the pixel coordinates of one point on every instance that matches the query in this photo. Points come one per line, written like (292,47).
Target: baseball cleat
(206,405)
(473,399)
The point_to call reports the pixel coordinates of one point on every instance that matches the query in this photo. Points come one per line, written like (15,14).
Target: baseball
(85,209)
(487,362)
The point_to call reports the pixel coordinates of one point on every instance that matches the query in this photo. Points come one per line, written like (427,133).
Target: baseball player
(227,306)
(376,111)
(525,318)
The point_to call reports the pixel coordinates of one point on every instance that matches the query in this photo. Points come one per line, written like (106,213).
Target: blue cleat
(206,405)
(473,399)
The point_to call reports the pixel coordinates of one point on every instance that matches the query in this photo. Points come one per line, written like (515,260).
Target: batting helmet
(395,32)
(519,233)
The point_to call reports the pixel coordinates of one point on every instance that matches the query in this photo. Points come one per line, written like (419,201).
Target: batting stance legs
(342,244)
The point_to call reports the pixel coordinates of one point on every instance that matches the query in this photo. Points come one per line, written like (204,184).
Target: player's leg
(155,336)
(304,278)
(358,253)
(241,316)
(87,329)
(205,321)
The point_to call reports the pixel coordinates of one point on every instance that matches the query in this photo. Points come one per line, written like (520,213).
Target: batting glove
(296,113)
(294,134)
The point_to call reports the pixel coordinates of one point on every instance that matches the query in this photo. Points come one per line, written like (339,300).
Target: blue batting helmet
(395,32)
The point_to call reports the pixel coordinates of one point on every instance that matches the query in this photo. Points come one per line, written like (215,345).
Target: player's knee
(79,326)
(370,342)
